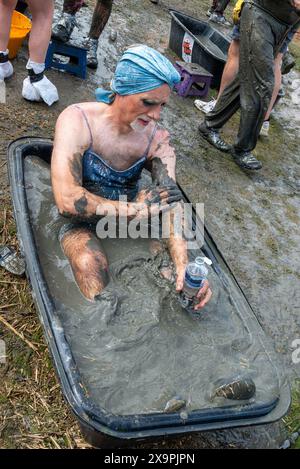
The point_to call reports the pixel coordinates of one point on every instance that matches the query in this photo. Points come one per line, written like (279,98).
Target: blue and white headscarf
(140,69)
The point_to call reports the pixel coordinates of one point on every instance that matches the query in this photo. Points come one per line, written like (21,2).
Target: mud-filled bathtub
(123,358)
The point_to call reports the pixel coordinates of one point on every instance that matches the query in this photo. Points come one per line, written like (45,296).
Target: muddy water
(135,347)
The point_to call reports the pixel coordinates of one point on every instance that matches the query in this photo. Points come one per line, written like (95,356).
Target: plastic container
(195,274)
(197,41)
(100,427)
(20,27)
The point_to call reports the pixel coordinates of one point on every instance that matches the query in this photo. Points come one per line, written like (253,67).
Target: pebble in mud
(237,388)
(174,404)
(113,35)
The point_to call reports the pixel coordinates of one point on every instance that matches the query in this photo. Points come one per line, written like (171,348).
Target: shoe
(63,28)
(205,106)
(209,12)
(220,19)
(246,160)
(264,131)
(6,68)
(91,57)
(213,137)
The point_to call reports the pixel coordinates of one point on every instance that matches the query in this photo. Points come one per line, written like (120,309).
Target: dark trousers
(101,14)
(219,6)
(252,89)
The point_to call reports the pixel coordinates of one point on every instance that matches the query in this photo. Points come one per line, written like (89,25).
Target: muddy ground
(254,219)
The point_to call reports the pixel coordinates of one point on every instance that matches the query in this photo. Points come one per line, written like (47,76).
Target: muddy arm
(72,139)
(163,163)
(70,142)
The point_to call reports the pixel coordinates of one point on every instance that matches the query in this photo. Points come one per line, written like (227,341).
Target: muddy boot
(92,59)
(63,28)
(6,68)
(246,160)
(213,137)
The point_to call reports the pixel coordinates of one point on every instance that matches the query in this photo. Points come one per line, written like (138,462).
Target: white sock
(6,68)
(36,67)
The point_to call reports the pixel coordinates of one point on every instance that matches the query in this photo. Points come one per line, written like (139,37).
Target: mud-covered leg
(87,260)
(72,6)
(100,17)
(256,76)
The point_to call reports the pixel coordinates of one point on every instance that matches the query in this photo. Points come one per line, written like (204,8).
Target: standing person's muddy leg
(39,38)
(6,11)
(227,105)
(261,35)
(36,86)
(256,83)
(87,259)
(217,14)
(63,28)
(212,8)
(221,6)
(72,6)
(101,16)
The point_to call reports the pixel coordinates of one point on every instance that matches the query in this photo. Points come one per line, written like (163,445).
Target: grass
(33,413)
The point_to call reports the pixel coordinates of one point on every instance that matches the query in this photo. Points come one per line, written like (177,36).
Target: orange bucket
(20,27)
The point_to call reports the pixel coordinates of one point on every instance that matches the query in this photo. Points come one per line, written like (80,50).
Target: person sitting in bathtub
(100,149)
